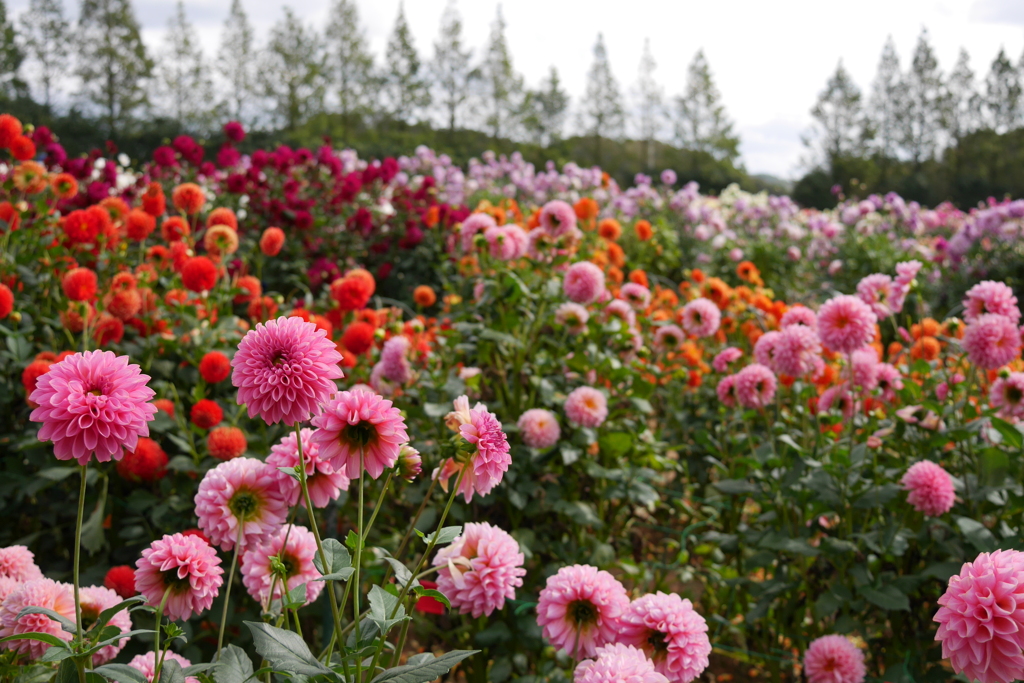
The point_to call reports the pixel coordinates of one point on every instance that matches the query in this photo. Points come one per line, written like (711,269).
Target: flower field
(297,415)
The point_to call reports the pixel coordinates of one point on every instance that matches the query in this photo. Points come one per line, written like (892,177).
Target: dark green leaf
(736,486)
(234,666)
(432,593)
(1011,435)
(445,535)
(107,614)
(64,622)
(33,635)
(877,496)
(615,444)
(171,672)
(120,673)
(976,534)
(338,558)
(285,650)
(382,606)
(424,670)
(886,597)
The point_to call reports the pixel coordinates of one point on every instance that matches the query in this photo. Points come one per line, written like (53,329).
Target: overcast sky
(769,58)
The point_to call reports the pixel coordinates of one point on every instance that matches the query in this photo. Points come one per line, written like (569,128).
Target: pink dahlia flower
(557,218)
(394,360)
(355,422)
(583,282)
(188,566)
(579,609)
(474,224)
(726,391)
(1006,396)
(797,351)
(672,634)
(146,665)
(621,310)
(324,483)
(95,599)
(284,369)
(500,243)
(834,659)
(981,618)
(480,569)
(755,386)
(839,398)
(93,403)
(845,323)
(669,337)
(486,465)
(701,317)
(45,593)
(725,357)
(638,296)
(618,663)
(991,341)
(864,367)
(573,316)
(799,315)
(7,586)
(240,496)
(990,297)
(295,558)
(587,407)
(877,292)
(930,487)
(539,428)
(17,562)
(889,381)
(764,348)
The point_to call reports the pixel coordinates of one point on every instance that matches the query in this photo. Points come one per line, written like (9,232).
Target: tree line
(930,135)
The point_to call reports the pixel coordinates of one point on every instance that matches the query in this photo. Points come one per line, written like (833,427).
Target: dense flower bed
(324,417)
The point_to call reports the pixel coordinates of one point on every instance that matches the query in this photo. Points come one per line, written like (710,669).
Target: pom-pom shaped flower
(93,403)
(990,297)
(539,428)
(240,501)
(1007,396)
(285,558)
(94,600)
(146,664)
(638,296)
(579,609)
(323,481)
(359,422)
(44,593)
(981,618)
(725,357)
(272,241)
(834,659)
(121,580)
(214,367)
(557,218)
(79,284)
(618,663)
(701,317)
(877,292)
(991,341)
(845,323)
(799,315)
(284,369)
(669,337)
(930,487)
(796,351)
(864,368)
(755,386)
(490,458)
(358,337)
(186,568)
(573,316)
(480,569)
(226,443)
(147,463)
(586,406)
(583,282)
(393,360)
(621,310)
(19,563)
(672,634)
(473,225)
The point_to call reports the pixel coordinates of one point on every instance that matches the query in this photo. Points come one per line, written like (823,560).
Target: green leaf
(382,606)
(886,597)
(424,670)
(92,529)
(108,614)
(736,486)
(34,635)
(120,673)
(56,654)
(494,335)
(826,605)
(436,410)
(1011,435)
(877,496)
(234,666)
(171,672)
(57,473)
(64,622)
(445,535)
(338,558)
(402,573)
(296,597)
(432,593)
(580,512)
(976,534)
(616,444)
(285,650)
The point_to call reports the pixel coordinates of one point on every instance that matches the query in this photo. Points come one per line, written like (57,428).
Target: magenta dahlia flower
(725,357)
(186,565)
(672,634)
(587,407)
(990,297)
(981,618)
(146,665)
(834,659)
(324,483)
(487,464)
(573,316)
(93,403)
(240,496)
(294,559)
(930,487)
(284,369)
(991,341)
(579,609)
(94,600)
(17,562)
(360,421)
(701,317)
(618,663)
(557,218)
(480,569)
(539,428)
(45,593)
(845,323)
(583,283)
(1006,396)
(755,386)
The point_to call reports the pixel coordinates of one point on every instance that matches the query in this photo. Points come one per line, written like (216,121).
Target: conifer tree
(502,86)
(1003,94)
(236,63)
(45,31)
(701,120)
(453,75)
(922,104)
(186,88)
(349,63)
(837,114)
(112,61)
(292,71)
(962,102)
(544,110)
(886,91)
(602,113)
(406,88)
(650,106)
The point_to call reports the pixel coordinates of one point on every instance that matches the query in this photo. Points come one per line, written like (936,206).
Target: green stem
(158,658)
(227,592)
(380,502)
(357,563)
(415,519)
(80,664)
